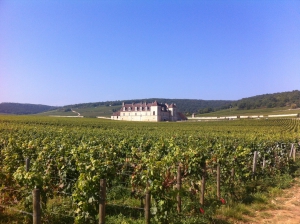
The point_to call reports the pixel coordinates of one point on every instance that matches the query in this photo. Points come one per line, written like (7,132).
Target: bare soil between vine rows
(286,208)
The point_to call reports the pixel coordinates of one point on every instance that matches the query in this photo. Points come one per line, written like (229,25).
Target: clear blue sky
(60,52)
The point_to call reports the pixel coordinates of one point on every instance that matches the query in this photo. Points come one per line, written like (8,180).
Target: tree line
(187,106)
(24,108)
(284,99)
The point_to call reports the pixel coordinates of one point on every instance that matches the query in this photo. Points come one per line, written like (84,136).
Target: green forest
(24,108)
(187,106)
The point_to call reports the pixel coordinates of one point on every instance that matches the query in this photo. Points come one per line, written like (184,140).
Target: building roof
(143,105)
(172,105)
(182,116)
(116,113)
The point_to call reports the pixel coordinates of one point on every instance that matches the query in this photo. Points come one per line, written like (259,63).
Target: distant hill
(183,105)
(283,99)
(21,108)
(266,101)
(187,106)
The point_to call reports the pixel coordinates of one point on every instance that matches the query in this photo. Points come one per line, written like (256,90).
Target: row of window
(136,108)
(153,113)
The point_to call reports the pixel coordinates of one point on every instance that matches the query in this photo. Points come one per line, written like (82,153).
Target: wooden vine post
(275,157)
(179,188)
(218,181)
(232,182)
(203,185)
(294,153)
(232,174)
(36,206)
(102,201)
(27,164)
(147,205)
(254,163)
(291,151)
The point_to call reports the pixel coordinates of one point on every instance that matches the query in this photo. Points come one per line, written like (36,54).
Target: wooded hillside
(187,106)
(183,105)
(21,108)
(290,99)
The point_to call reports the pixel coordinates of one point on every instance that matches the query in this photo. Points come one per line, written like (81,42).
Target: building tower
(173,111)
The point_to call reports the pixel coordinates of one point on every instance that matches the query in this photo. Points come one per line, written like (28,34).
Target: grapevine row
(71,156)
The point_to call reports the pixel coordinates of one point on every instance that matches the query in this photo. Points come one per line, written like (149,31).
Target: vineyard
(188,169)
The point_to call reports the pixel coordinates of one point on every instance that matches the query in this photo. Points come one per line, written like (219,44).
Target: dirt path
(287,208)
(78,114)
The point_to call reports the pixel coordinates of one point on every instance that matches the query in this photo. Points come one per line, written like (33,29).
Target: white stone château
(148,112)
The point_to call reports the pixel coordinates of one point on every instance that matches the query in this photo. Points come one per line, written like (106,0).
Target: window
(123,114)
(135,114)
(135,108)
(141,108)
(153,112)
(129,109)
(124,108)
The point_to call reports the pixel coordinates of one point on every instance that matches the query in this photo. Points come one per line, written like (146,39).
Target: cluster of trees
(21,108)
(186,106)
(183,105)
(95,104)
(290,99)
(211,109)
(189,106)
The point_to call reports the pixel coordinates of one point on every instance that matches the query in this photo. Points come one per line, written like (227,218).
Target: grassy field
(107,111)
(101,111)
(57,113)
